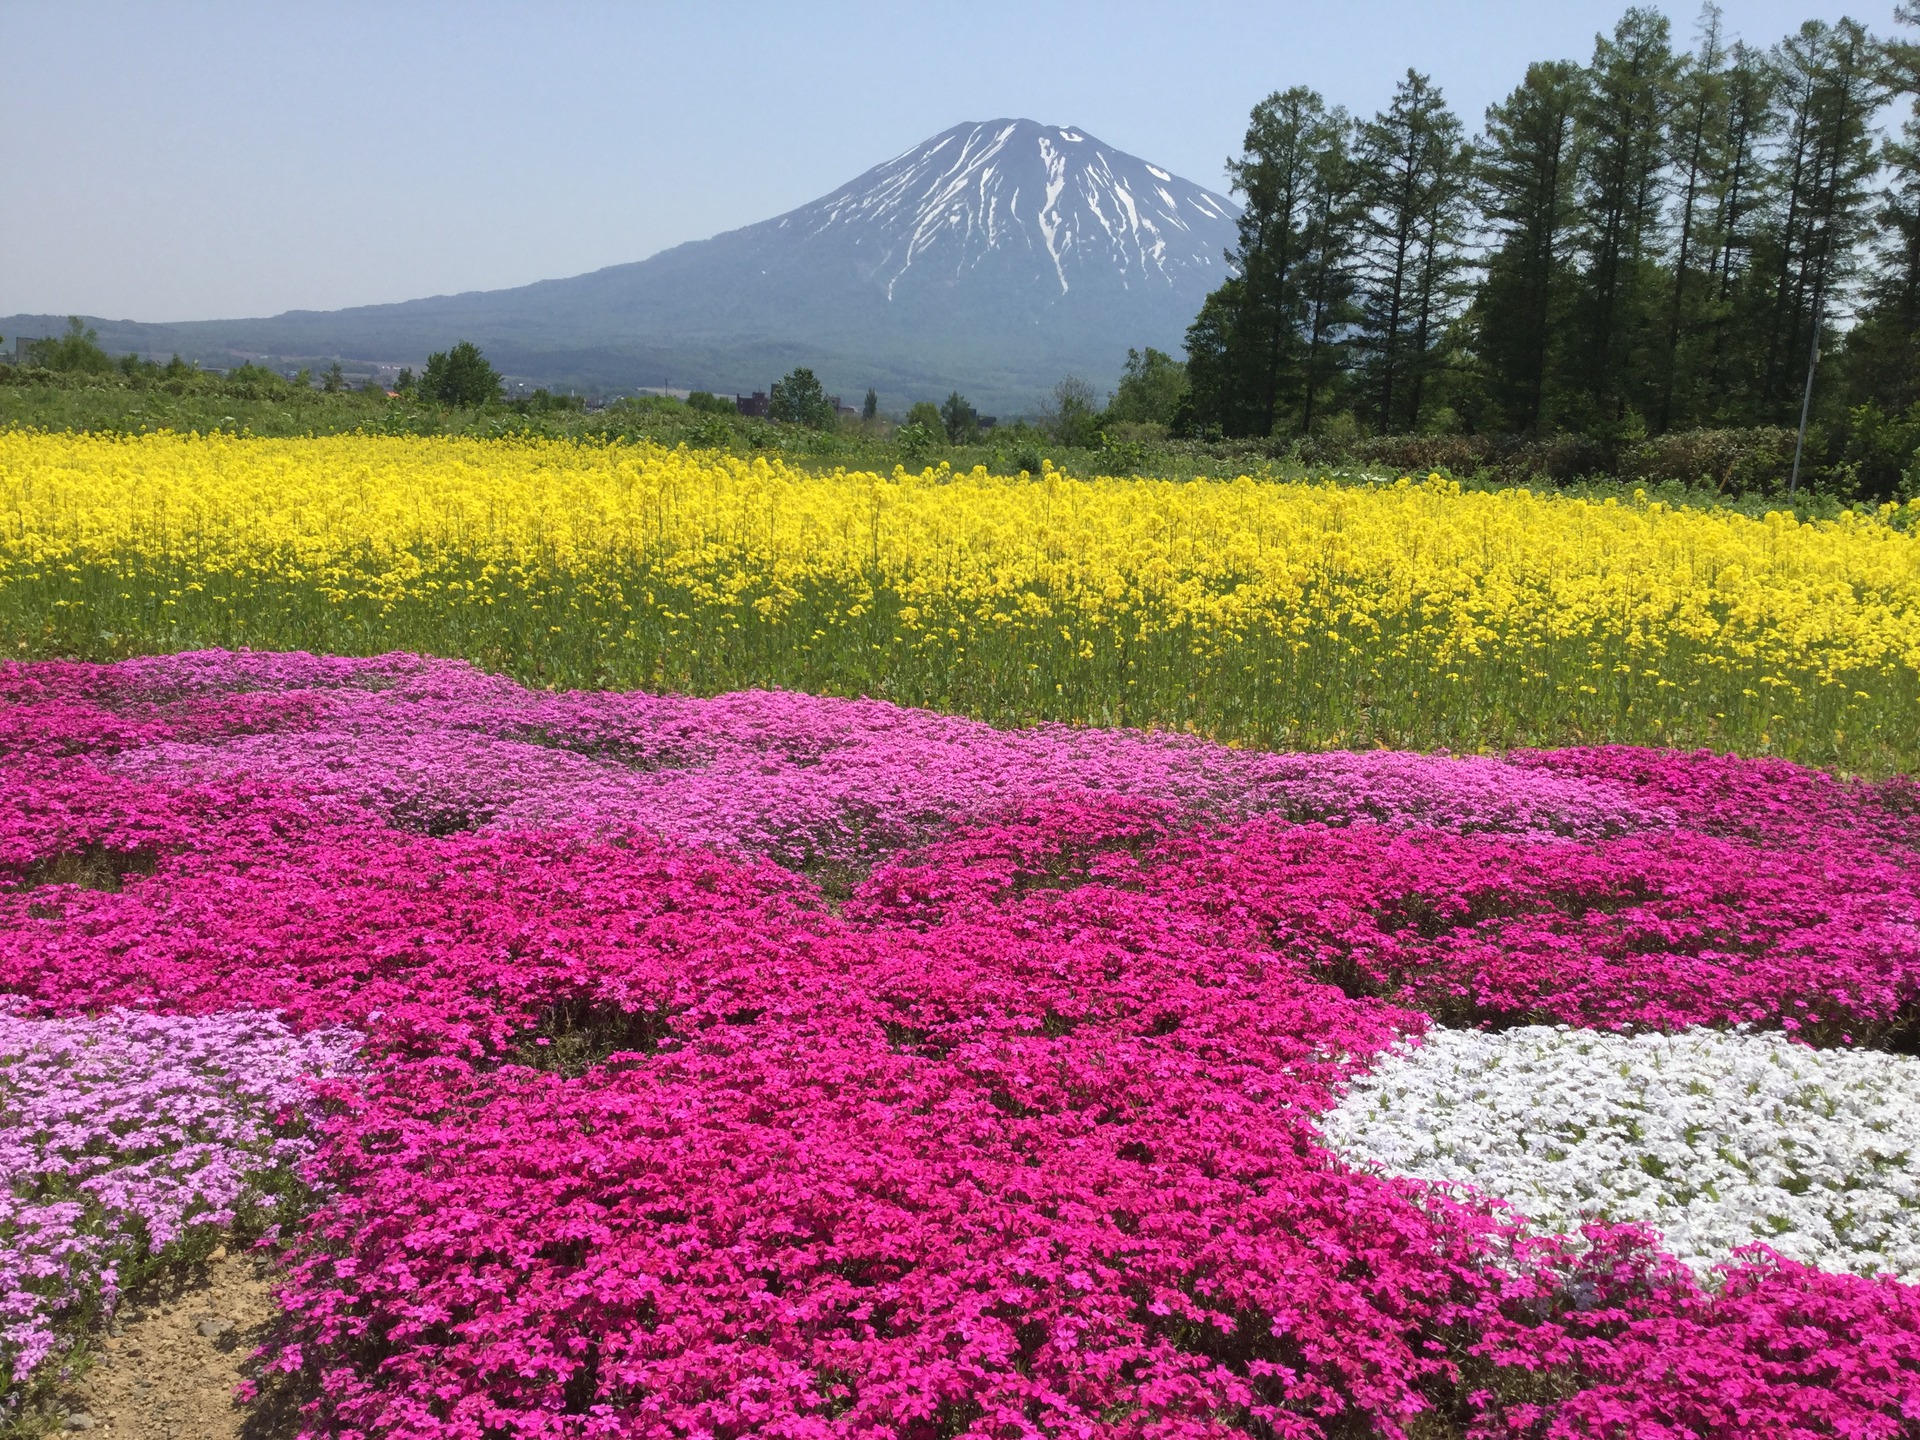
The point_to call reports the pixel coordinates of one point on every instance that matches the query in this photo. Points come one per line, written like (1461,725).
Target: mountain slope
(993,258)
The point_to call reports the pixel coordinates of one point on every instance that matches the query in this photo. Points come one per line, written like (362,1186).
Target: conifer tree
(1622,132)
(1883,348)
(1248,361)
(1256,348)
(1332,239)
(1722,381)
(1694,142)
(1413,169)
(1525,173)
(1276,177)
(1830,86)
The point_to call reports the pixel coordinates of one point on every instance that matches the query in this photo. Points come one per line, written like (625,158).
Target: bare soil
(167,1367)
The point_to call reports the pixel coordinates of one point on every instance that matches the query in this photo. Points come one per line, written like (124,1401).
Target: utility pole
(1806,398)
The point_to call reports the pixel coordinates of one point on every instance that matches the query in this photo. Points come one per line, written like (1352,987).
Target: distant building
(986,422)
(756,404)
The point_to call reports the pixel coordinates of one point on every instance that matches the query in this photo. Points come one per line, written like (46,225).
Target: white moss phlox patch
(1716,1139)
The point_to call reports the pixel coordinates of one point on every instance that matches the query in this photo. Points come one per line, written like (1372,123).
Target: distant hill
(994,258)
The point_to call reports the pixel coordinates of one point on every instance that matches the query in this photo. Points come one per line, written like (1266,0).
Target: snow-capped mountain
(994,258)
(1054,199)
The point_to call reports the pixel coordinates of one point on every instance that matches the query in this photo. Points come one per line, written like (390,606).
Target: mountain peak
(1093,216)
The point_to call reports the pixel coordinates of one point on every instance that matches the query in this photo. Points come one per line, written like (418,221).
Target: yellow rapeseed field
(1275,613)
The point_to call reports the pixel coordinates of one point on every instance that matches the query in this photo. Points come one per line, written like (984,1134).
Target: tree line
(1655,240)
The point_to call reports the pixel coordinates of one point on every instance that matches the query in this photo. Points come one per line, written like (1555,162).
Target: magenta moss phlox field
(775,1065)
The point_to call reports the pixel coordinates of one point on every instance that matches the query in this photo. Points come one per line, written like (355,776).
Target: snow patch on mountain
(1089,214)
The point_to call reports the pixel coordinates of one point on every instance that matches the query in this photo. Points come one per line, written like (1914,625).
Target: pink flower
(773,1065)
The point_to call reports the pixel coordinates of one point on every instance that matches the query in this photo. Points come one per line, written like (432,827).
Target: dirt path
(167,1369)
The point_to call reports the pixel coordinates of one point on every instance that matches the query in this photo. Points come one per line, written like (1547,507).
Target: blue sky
(187,161)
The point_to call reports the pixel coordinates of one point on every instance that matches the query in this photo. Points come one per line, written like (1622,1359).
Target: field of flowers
(1304,616)
(614,1064)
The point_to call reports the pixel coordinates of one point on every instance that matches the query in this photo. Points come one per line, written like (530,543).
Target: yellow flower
(1289,612)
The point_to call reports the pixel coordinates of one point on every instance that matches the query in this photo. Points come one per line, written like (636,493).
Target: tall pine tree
(1883,350)
(1621,135)
(1276,178)
(1696,144)
(1332,242)
(1413,169)
(1722,377)
(1829,89)
(1525,174)
(1249,351)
